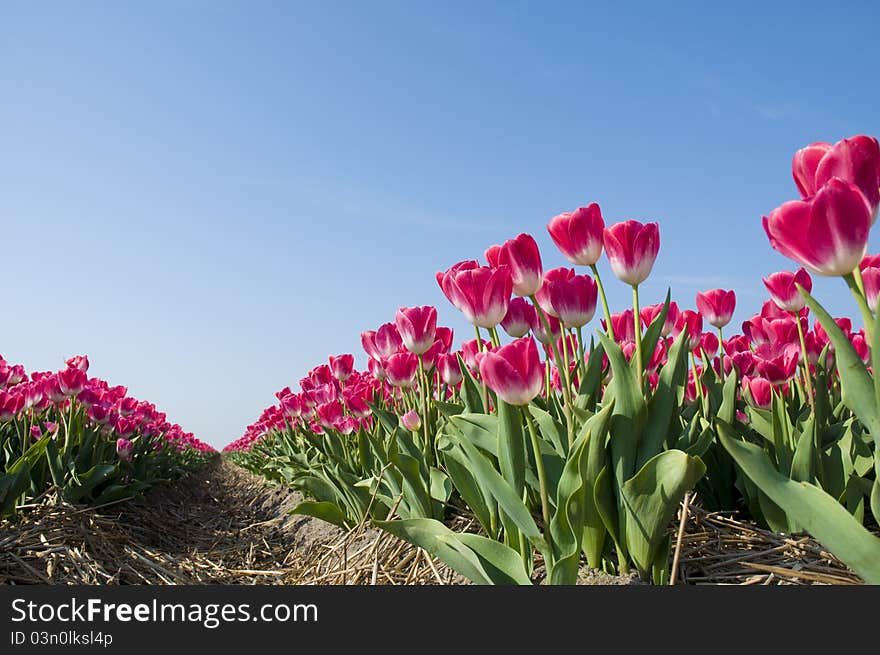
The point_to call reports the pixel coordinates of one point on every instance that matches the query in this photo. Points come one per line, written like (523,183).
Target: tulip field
(571,435)
(84,440)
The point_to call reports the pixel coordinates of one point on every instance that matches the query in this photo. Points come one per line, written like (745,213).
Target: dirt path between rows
(220,524)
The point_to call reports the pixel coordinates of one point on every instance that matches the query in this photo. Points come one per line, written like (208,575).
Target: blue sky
(209,198)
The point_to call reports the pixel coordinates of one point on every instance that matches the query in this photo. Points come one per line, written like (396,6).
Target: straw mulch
(223,525)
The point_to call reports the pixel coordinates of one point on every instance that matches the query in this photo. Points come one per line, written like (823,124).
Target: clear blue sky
(209,198)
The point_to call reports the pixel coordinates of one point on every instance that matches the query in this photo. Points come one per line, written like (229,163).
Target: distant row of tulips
(88,440)
(563,444)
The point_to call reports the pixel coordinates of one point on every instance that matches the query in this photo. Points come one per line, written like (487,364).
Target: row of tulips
(84,439)
(564,445)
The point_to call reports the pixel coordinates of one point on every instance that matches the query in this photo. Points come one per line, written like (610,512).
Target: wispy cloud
(774,111)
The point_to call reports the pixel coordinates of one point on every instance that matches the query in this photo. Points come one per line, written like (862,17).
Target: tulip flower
(519,318)
(417,327)
(632,248)
(804,165)
(540,331)
(124,449)
(543,294)
(871,280)
(329,413)
(709,344)
(758,392)
(782,287)
(514,371)
(383,342)
(578,234)
(827,234)
(694,324)
(291,405)
(574,300)
(481,293)
(342,366)
(445,336)
(522,256)
(374,366)
(870,260)
(10,405)
(469,350)
(411,421)
(80,361)
(346,425)
(651,312)
(450,371)
(401,368)
(72,381)
(623,326)
(855,160)
(716,306)
(777,363)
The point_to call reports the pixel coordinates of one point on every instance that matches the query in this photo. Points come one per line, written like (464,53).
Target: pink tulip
(651,312)
(623,325)
(342,366)
(694,324)
(716,306)
(804,165)
(80,361)
(450,371)
(514,371)
(401,368)
(827,234)
(574,300)
(329,413)
(291,405)
(417,327)
(757,329)
(469,351)
(72,381)
(709,344)
(855,160)
(541,333)
(10,405)
(374,366)
(519,318)
(381,343)
(783,288)
(632,248)
(578,234)
(346,425)
(445,336)
(521,254)
(744,362)
(411,421)
(870,260)
(125,426)
(758,391)
(481,293)
(861,346)
(124,449)
(543,294)
(871,280)
(777,362)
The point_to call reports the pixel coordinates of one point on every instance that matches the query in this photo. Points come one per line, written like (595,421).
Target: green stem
(721,354)
(698,385)
(542,485)
(423,384)
(493,335)
(582,353)
(808,383)
(609,328)
(637,321)
(485,391)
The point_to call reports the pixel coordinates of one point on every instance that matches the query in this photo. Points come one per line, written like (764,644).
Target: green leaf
(77,489)
(802,464)
(471,392)
(480,429)
(574,498)
(13,485)
(551,430)
(507,498)
(511,446)
(651,498)
(467,486)
(856,384)
(441,487)
(325,511)
(480,560)
(820,514)
(388,420)
(663,402)
(655,329)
